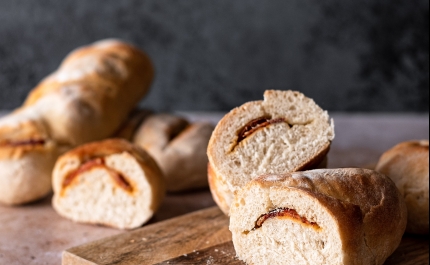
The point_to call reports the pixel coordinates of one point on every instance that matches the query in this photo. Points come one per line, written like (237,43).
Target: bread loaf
(407,164)
(111,182)
(323,216)
(27,156)
(285,132)
(179,147)
(93,91)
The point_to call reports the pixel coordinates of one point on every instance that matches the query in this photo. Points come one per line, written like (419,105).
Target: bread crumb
(132,241)
(144,239)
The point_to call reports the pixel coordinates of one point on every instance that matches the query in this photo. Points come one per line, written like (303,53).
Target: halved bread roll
(407,164)
(323,216)
(179,147)
(285,132)
(27,156)
(111,182)
(93,91)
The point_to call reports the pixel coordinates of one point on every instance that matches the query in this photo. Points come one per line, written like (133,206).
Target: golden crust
(369,210)
(93,91)
(407,164)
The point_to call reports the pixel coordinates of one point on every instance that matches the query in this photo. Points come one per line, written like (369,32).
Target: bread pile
(284,132)
(262,160)
(92,97)
(86,99)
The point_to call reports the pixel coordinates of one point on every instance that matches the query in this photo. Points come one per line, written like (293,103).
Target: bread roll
(285,132)
(93,91)
(179,147)
(27,156)
(111,182)
(407,164)
(323,216)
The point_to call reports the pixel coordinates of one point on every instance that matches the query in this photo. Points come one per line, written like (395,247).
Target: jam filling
(284,212)
(99,162)
(256,124)
(23,142)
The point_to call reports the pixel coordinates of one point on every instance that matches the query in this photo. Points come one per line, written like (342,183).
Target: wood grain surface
(197,238)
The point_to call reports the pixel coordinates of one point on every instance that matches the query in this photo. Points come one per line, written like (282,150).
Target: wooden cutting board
(200,237)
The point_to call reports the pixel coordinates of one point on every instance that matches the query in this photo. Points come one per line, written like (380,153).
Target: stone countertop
(35,234)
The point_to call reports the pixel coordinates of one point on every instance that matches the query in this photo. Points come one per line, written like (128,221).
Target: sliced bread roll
(27,156)
(323,216)
(285,132)
(179,147)
(407,164)
(111,182)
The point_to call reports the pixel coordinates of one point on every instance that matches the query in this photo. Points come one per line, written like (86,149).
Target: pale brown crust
(369,210)
(93,91)
(215,189)
(407,164)
(179,147)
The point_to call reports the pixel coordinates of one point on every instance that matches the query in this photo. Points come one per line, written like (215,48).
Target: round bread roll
(285,132)
(93,91)
(407,164)
(323,216)
(27,156)
(111,182)
(179,147)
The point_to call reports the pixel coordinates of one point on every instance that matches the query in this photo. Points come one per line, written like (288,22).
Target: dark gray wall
(214,55)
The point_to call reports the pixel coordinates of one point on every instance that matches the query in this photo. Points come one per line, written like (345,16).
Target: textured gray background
(362,55)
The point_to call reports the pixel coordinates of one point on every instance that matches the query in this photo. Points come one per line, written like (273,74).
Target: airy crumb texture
(407,164)
(285,132)
(123,191)
(324,216)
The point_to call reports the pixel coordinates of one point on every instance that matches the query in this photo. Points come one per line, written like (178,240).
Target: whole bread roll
(110,182)
(93,91)
(179,147)
(285,132)
(323,216)
(27,156)
(407,164)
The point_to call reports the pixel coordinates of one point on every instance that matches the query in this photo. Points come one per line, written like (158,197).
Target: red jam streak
(287,213)
(98,163)
(255,125)
(23,142)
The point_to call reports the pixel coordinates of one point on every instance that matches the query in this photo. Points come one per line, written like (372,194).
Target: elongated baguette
(323,216)
(110,182)
(93,91)
(285,132)
(407,164)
